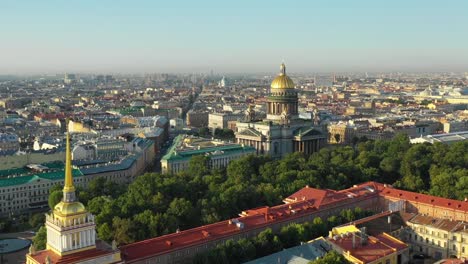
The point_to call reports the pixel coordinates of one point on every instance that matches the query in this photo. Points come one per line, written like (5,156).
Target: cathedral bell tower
(282,103)
(70,228)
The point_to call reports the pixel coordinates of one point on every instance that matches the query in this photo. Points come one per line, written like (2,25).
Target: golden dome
(282,81)
(72,208)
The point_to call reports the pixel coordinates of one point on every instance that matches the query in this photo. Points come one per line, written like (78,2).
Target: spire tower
(68,189)
(70,228)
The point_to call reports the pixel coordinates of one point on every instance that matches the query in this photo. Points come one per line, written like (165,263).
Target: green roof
(17,171)
(54,165)
(172,154)
(53,176)
(23,171)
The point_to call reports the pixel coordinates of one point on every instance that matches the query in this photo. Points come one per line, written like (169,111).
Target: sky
(238,36)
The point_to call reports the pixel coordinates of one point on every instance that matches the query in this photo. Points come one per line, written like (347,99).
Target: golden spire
(282,69)
(68,187)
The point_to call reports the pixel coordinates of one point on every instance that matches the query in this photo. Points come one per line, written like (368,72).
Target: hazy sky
(42,36)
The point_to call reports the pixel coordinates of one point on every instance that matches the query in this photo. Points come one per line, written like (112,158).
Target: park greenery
(157,204)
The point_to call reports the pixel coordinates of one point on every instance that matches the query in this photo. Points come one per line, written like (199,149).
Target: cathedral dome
(69,208)
(282,81)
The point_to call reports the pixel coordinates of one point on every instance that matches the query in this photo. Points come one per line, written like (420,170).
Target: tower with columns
(70,228)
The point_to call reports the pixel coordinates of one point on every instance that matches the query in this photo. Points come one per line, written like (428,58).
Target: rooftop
(101,250)
(184,147)
(53,176)
(367,249)
(302,254)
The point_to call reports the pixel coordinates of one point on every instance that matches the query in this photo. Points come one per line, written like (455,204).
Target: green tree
(123,233)
(415,167)
(182,212)
(198,166)
(36,220)
(40,239)
(105,232)
(54,198)
(203,132)
(267,243)
(292,234)
(332,257)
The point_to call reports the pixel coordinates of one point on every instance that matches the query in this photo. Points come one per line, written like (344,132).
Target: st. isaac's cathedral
(282,131)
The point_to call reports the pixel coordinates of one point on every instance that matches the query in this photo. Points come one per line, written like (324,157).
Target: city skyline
(243,36)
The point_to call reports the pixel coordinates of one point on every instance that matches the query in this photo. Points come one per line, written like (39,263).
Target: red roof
(376,247)
(323,197)
(388,191)
(40,256)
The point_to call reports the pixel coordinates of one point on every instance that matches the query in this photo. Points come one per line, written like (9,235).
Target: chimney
(354,240)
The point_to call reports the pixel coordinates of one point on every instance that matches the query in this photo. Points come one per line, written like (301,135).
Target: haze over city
(235,37)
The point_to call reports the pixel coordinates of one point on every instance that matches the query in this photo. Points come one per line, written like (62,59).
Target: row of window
(432,242)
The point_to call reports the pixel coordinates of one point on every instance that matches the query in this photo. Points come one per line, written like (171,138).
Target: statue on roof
(250,114)
(32,250)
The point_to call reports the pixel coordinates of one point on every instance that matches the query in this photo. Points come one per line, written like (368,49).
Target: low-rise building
(25,190)
(9,142)
(436,237)
(442,138)
(361,248)
(197,118)
(220,120)
(341,133)
(220,153)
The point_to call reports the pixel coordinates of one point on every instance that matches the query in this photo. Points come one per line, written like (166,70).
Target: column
(69,241)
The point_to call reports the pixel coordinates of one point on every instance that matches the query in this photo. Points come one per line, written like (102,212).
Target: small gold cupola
(282,81)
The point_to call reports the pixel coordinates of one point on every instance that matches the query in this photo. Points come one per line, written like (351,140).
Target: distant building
(222,83)
(341,133)
(455,126)
(185,147)
(27,190)
(69,78)
(176,124)
(220,120)
(14,160)
(442,138)
(197,119)
(283,131)
(9,142)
